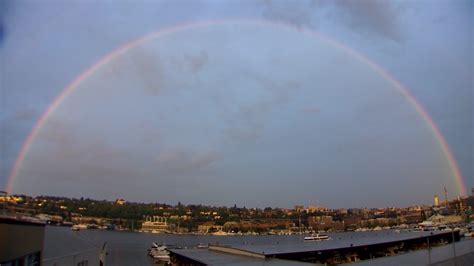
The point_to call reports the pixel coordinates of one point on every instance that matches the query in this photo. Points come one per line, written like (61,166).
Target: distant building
(436,201)
(351,221)
(320,222)
(299,208)
(120,202)
(209,227)
(312,209)
(411,217)
(155,224)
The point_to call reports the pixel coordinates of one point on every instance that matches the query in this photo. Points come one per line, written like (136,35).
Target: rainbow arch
(454,168)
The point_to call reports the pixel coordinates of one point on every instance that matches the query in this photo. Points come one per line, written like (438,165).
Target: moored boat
(78,227)
(159,252)
(317,237)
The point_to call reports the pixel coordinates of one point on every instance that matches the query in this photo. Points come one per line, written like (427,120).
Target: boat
(317,237)
(202,245)
(78,227)
(159,252)
(220,233)
(469,234)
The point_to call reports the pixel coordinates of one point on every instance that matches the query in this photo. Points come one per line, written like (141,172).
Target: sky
(254,103)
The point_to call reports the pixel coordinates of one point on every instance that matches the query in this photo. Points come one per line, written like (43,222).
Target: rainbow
(454,168)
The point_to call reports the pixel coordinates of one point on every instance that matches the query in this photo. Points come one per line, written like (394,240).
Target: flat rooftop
(338,241)
(250,254)
(9,219)
(211,257)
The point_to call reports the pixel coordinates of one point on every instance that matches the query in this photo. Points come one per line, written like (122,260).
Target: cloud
(299,15)
(248,121)
(149,68)
(13,130)
(440,19)
(311,110)
(379,17)
(91,160)
(197,62)
(26,114)
(179,160)
(56,131)
(4,7)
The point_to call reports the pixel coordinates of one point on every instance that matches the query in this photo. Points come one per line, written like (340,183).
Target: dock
(344,249)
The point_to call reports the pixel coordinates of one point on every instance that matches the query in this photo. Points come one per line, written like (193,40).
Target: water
(129,248)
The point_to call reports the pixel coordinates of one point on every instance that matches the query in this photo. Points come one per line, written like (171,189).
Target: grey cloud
(26,114)
(13,131)
(197,62)
(179,160)
(56,131)
(149,68)
(379,17)
(154,72)
(66,143)
(298,15)
(311,110)
(440,19)
(15,124)
(247,123)
(364,16)
(4,7)
(81,160)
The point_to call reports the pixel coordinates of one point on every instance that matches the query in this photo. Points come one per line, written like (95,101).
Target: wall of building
(18,239)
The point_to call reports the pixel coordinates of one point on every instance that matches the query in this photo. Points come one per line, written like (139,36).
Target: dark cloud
(4,7)
(25,115)
(379,17)
(149,68)
(2,32)
(75,158)
(179,160)
(364,16)
(248,122)
(13,131)
(57,132)
(299,15)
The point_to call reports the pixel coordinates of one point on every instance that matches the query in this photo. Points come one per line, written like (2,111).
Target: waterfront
(129,248)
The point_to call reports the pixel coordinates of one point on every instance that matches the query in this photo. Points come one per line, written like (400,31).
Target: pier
(335,251)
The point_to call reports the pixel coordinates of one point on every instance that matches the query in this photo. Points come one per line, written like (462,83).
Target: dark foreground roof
(340,241)
(210,257)
(4,219)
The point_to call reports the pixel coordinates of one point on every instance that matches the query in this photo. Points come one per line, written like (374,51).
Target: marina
(345,249)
